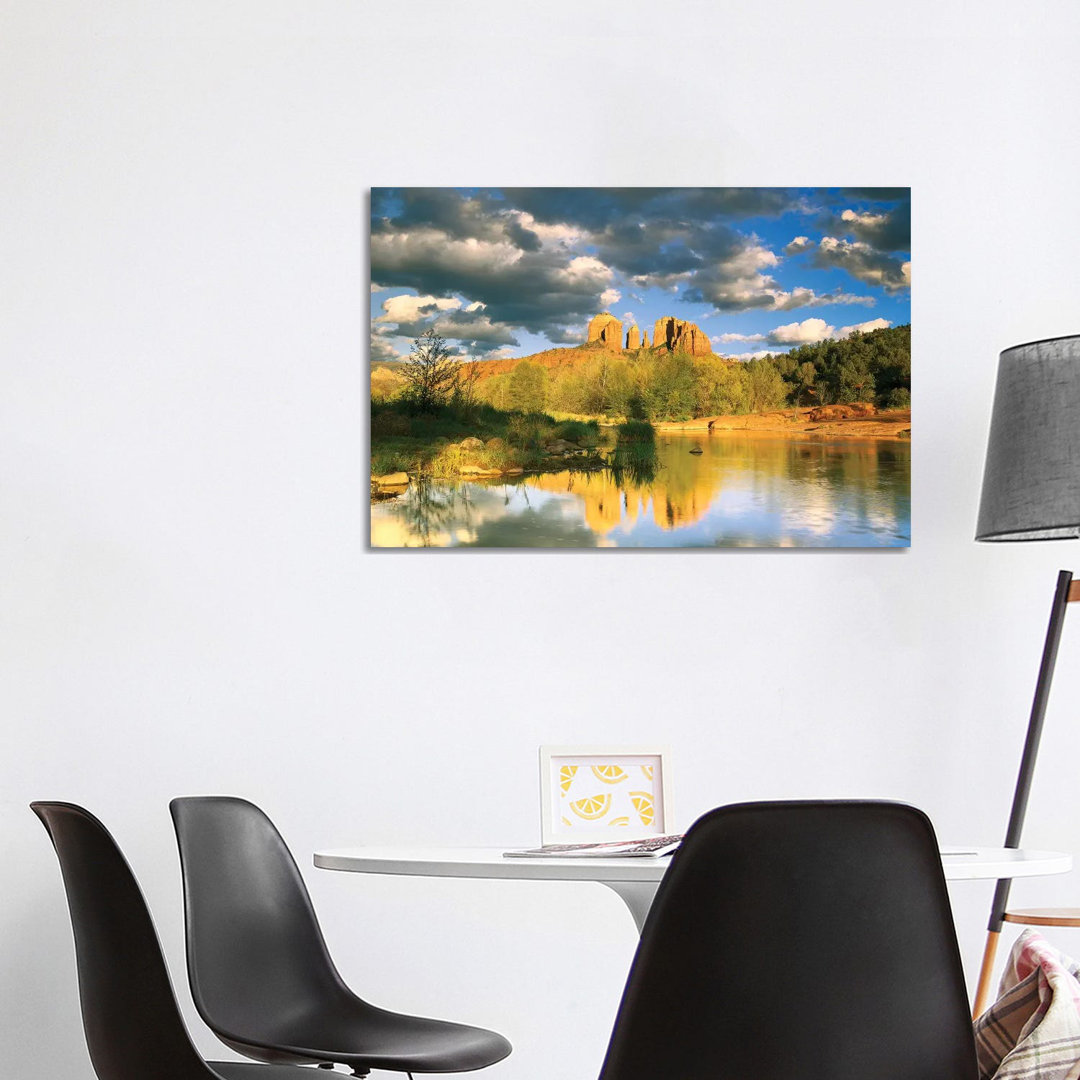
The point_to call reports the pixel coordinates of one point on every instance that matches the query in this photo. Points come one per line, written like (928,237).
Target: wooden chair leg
(982,992)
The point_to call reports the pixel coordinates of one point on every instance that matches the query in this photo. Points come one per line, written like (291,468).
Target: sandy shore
(889,424)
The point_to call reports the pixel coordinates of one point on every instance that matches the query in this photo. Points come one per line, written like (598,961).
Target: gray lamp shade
(1031,484)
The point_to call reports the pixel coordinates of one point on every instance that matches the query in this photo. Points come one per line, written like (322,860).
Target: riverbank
(887,424)
(478,442)
(484,443)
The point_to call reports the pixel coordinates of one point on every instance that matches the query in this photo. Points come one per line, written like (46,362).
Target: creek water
(748,490)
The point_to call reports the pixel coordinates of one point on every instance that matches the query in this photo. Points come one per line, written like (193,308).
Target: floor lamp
(1031,491)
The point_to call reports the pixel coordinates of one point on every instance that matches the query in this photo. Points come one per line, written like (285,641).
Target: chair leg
(982,992)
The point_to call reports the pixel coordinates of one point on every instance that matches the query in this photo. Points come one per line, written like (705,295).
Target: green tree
(431,371)
(526,391)
(804,377)
(671,390)
(766,388)
(720,387)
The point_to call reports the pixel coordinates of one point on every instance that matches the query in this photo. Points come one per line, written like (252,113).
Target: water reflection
(742,491)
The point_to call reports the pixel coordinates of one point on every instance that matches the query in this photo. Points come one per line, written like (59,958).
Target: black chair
(258,966)
(798,941)
(133,1026)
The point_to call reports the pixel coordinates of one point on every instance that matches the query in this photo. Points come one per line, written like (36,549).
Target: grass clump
(405,439)
(636,431)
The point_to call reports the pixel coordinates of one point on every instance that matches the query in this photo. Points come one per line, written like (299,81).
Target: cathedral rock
(681,336)
(607,329)
(674,334)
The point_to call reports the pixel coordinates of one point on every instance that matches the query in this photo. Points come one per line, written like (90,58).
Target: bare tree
(431,370)
(468,375)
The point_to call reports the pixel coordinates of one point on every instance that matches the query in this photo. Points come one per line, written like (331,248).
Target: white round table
(636,879)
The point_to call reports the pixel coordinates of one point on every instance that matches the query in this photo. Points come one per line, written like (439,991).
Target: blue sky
(504,272)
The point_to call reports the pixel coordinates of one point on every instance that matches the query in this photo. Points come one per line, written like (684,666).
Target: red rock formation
(856,410)
(633,338)
(607,329)
(645,339)
(680,336)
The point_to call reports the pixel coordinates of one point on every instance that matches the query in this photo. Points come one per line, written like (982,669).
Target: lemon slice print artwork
(566,777)
(643,804)
(609,774)
(592,808)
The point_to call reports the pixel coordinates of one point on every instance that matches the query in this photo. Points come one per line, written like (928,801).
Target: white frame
(552,758)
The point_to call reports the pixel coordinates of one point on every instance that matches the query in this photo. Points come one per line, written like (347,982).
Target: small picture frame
(595,793)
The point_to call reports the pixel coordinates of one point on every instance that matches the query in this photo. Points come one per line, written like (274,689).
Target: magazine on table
(649,847)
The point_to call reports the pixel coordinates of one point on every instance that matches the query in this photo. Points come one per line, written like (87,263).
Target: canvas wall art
(640,368)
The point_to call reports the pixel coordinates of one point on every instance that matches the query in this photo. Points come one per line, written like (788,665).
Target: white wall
(187,605)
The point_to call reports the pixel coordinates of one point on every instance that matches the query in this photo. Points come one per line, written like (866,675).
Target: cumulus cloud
(549,233)
(383,350)
(473,329)
(408,316)
(883,229)
(406,308)
(757,354)
(864,327)
(807,332)
(864,263)
(545,260)
(539,291)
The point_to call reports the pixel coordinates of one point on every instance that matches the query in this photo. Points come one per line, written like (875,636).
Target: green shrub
(585,433)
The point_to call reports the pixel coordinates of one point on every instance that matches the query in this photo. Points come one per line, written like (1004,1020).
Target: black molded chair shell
(260,973)
(798,941)
(133,1026)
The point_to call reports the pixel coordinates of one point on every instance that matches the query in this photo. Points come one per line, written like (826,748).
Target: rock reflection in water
(742,491)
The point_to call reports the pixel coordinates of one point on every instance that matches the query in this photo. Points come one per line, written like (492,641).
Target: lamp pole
(1064,593)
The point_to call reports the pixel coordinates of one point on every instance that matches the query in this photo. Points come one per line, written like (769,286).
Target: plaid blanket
(1032,1031)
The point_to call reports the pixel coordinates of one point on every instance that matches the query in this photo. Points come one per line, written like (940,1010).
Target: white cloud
(587,266)
(381,349)
(864,327)
(741,283)
(800,243)
(609,297)
(476,305)
(807,332)
(724,338)
(550,233)
(864,262)
(866,219)
(404,308)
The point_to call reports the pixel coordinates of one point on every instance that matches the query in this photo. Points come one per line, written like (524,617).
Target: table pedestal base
(637,896)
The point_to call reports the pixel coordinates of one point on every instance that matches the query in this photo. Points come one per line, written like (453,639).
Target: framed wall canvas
(596,793)
(640,367)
